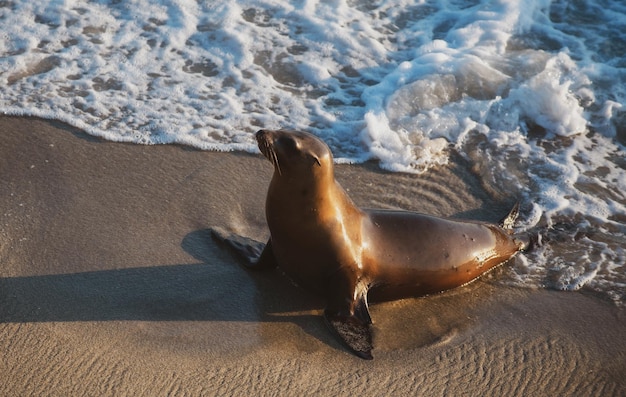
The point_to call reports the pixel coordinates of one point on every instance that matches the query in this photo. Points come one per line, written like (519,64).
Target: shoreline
(110,284)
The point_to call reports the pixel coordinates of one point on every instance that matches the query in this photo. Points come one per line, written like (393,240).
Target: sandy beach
(110,284)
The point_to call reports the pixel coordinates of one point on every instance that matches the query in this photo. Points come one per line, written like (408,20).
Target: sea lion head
(295,153)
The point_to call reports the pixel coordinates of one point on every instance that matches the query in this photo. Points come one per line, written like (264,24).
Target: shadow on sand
(215,289)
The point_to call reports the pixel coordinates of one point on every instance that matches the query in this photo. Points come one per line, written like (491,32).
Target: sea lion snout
(262,141)
(266,146)
(260,135)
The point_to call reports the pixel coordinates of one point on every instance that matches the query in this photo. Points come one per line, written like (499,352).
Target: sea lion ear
(314,157)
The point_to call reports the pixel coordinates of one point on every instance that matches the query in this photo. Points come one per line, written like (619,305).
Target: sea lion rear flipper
(350,321)
(253,254)
(508,222)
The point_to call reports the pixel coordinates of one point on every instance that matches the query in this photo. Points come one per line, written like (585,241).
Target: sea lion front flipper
(266,260)
(350,320)
(253,254)
(353,332)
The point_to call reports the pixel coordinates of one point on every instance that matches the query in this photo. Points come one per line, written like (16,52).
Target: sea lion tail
(508,222)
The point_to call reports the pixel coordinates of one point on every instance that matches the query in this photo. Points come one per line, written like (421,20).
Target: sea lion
(325,243)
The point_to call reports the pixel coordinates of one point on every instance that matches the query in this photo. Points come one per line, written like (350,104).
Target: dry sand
(111,285)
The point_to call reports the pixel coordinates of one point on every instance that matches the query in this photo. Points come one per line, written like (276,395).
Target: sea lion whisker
(274,158)
(268,151)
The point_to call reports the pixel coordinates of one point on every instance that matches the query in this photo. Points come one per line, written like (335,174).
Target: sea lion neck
(296,186)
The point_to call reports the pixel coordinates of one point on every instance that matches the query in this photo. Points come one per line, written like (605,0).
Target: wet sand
(111,285)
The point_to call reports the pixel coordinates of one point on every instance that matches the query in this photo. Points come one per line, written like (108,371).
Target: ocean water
(531,92)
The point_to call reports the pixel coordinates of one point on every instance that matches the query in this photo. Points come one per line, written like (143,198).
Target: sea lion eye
(287,143)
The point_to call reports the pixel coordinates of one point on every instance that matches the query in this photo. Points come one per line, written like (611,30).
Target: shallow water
(530,92)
